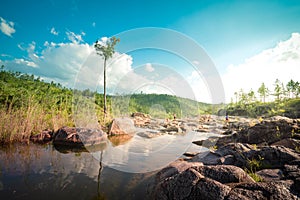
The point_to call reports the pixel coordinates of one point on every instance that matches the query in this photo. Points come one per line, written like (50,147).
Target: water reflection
(48,172)
(41,172)
(141,155)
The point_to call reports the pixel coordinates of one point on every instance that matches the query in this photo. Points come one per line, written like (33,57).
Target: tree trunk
(104,89)
(99,175)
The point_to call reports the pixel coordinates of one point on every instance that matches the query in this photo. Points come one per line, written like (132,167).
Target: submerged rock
(149,133)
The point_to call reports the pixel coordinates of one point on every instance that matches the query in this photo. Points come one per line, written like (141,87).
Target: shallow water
(126,169)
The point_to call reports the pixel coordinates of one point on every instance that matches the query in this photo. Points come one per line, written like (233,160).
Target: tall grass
(29,106)
(18,124)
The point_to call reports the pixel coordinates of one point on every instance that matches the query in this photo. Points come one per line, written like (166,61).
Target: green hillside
(158,105)
(29,105)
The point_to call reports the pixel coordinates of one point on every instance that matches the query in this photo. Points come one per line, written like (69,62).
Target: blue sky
(43,37)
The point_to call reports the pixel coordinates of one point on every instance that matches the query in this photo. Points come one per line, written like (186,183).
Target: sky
(204,50)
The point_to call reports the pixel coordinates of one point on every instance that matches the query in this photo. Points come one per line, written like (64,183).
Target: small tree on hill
(293,88)
(263,92)
(278,90)
(105,48)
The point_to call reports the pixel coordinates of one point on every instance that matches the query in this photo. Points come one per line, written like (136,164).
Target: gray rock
(149,134)
(209,158)
(269,131)
(192,180)
(190,184)
(288,142)
(270,174)
(225,173)
(269,190)
(293,172)
(273,156)
(79,137)
(175,168)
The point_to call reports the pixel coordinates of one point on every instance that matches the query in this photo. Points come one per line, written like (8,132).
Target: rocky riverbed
(249,159)
(256,160)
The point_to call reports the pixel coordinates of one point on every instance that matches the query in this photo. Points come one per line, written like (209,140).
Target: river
(122,170)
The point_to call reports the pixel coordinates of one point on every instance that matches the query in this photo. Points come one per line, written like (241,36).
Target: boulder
(273,156)
(79,137)
(172,129)
(241,154)
(141,119)
(289,143)
(208,143)
(268,190)
(193,180)
(269,131)
(173,168)
(149,133)
(292,172)
(224,173)
(270,174)
(121,126)
(43,137)
(209,158)
(189,184)
(230,154)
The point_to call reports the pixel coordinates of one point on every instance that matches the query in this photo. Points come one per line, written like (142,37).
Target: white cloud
(21,61)
(53,31)
(75,38)
(149,67)
(58,62)
(65,63)
(91,73)
(282,62)
(7,27)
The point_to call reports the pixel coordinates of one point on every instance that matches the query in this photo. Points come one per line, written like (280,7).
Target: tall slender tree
(278,90)
(263,92)
(105,47)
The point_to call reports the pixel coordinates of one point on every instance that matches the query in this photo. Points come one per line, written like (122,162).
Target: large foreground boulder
(193,180)
(79,137)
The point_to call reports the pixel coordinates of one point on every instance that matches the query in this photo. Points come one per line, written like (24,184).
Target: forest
(29,105)
(282,100)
